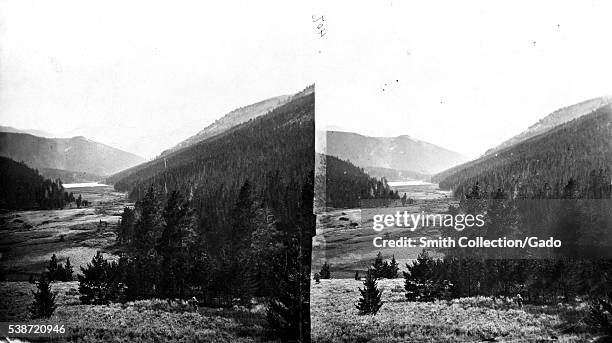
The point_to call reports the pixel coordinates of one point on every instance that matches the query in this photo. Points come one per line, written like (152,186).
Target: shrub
(325,272)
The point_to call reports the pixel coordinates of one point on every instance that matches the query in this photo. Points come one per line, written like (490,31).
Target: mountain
(554,119)
(39,133)
(279,139)
(577,152)
(77,154)
(235,117)
(401,153)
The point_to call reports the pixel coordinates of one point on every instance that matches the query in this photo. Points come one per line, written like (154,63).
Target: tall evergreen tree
(44,300)
(174,245)
(53,269)
(325,271)
(99,284)
(370,301)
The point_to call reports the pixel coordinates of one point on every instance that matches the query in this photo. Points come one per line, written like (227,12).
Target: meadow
(138,321)
(30,238)
(478,319)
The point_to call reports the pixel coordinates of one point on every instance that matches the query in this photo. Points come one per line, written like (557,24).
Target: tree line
(340,184)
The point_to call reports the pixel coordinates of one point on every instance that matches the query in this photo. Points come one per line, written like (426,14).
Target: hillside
(401,153)
(21,187)
(77,154)
(347,184)
(580,150)
(235,117)
(39,133)
(554,119)
(281,140)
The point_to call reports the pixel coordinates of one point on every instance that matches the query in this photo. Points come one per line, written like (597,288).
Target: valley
(344,236)
(29,238)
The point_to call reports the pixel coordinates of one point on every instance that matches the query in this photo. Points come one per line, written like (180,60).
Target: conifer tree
(393,269)
(420,284)
(325,272)
(357,277)
(174,245)
(67,271)
(370,301)
(44,300)
(378,266)
(53,269)
(99,285)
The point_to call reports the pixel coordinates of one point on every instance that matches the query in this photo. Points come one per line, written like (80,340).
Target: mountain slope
(280,140)
(235,117)
(343,185)
(540,166)
(554,119)
(21,187)
(39,133)
(75,154)
(400,153)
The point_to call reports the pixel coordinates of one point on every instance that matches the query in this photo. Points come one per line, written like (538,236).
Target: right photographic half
(463,184)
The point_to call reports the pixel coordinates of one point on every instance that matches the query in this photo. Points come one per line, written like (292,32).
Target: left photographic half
(156,171)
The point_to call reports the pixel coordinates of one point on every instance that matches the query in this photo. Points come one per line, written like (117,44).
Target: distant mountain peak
(403,152)
(77,154)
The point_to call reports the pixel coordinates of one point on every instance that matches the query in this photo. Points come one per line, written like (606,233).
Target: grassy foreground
(335,319)
(139,321)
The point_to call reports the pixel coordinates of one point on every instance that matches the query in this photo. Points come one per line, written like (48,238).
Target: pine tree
(289,308)
(174,245)
(53,269)
(99,284)
(393,269)
(44,300)
(67,271)
(317,278)
(378,266)
(357,277)
(420,283)
(370,301)
(325,272)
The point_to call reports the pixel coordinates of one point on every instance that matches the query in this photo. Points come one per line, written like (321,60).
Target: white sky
(469,74)
(142,75)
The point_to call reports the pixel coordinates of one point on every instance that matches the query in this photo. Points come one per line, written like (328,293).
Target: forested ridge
(22,187)
(579,150)
(346,185)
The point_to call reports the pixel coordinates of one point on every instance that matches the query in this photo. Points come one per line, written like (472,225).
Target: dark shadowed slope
(554,119)
(401,153)
(77,154)
(580,149)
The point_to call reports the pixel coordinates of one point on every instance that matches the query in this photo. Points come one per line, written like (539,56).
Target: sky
(465,75)
(144,75)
